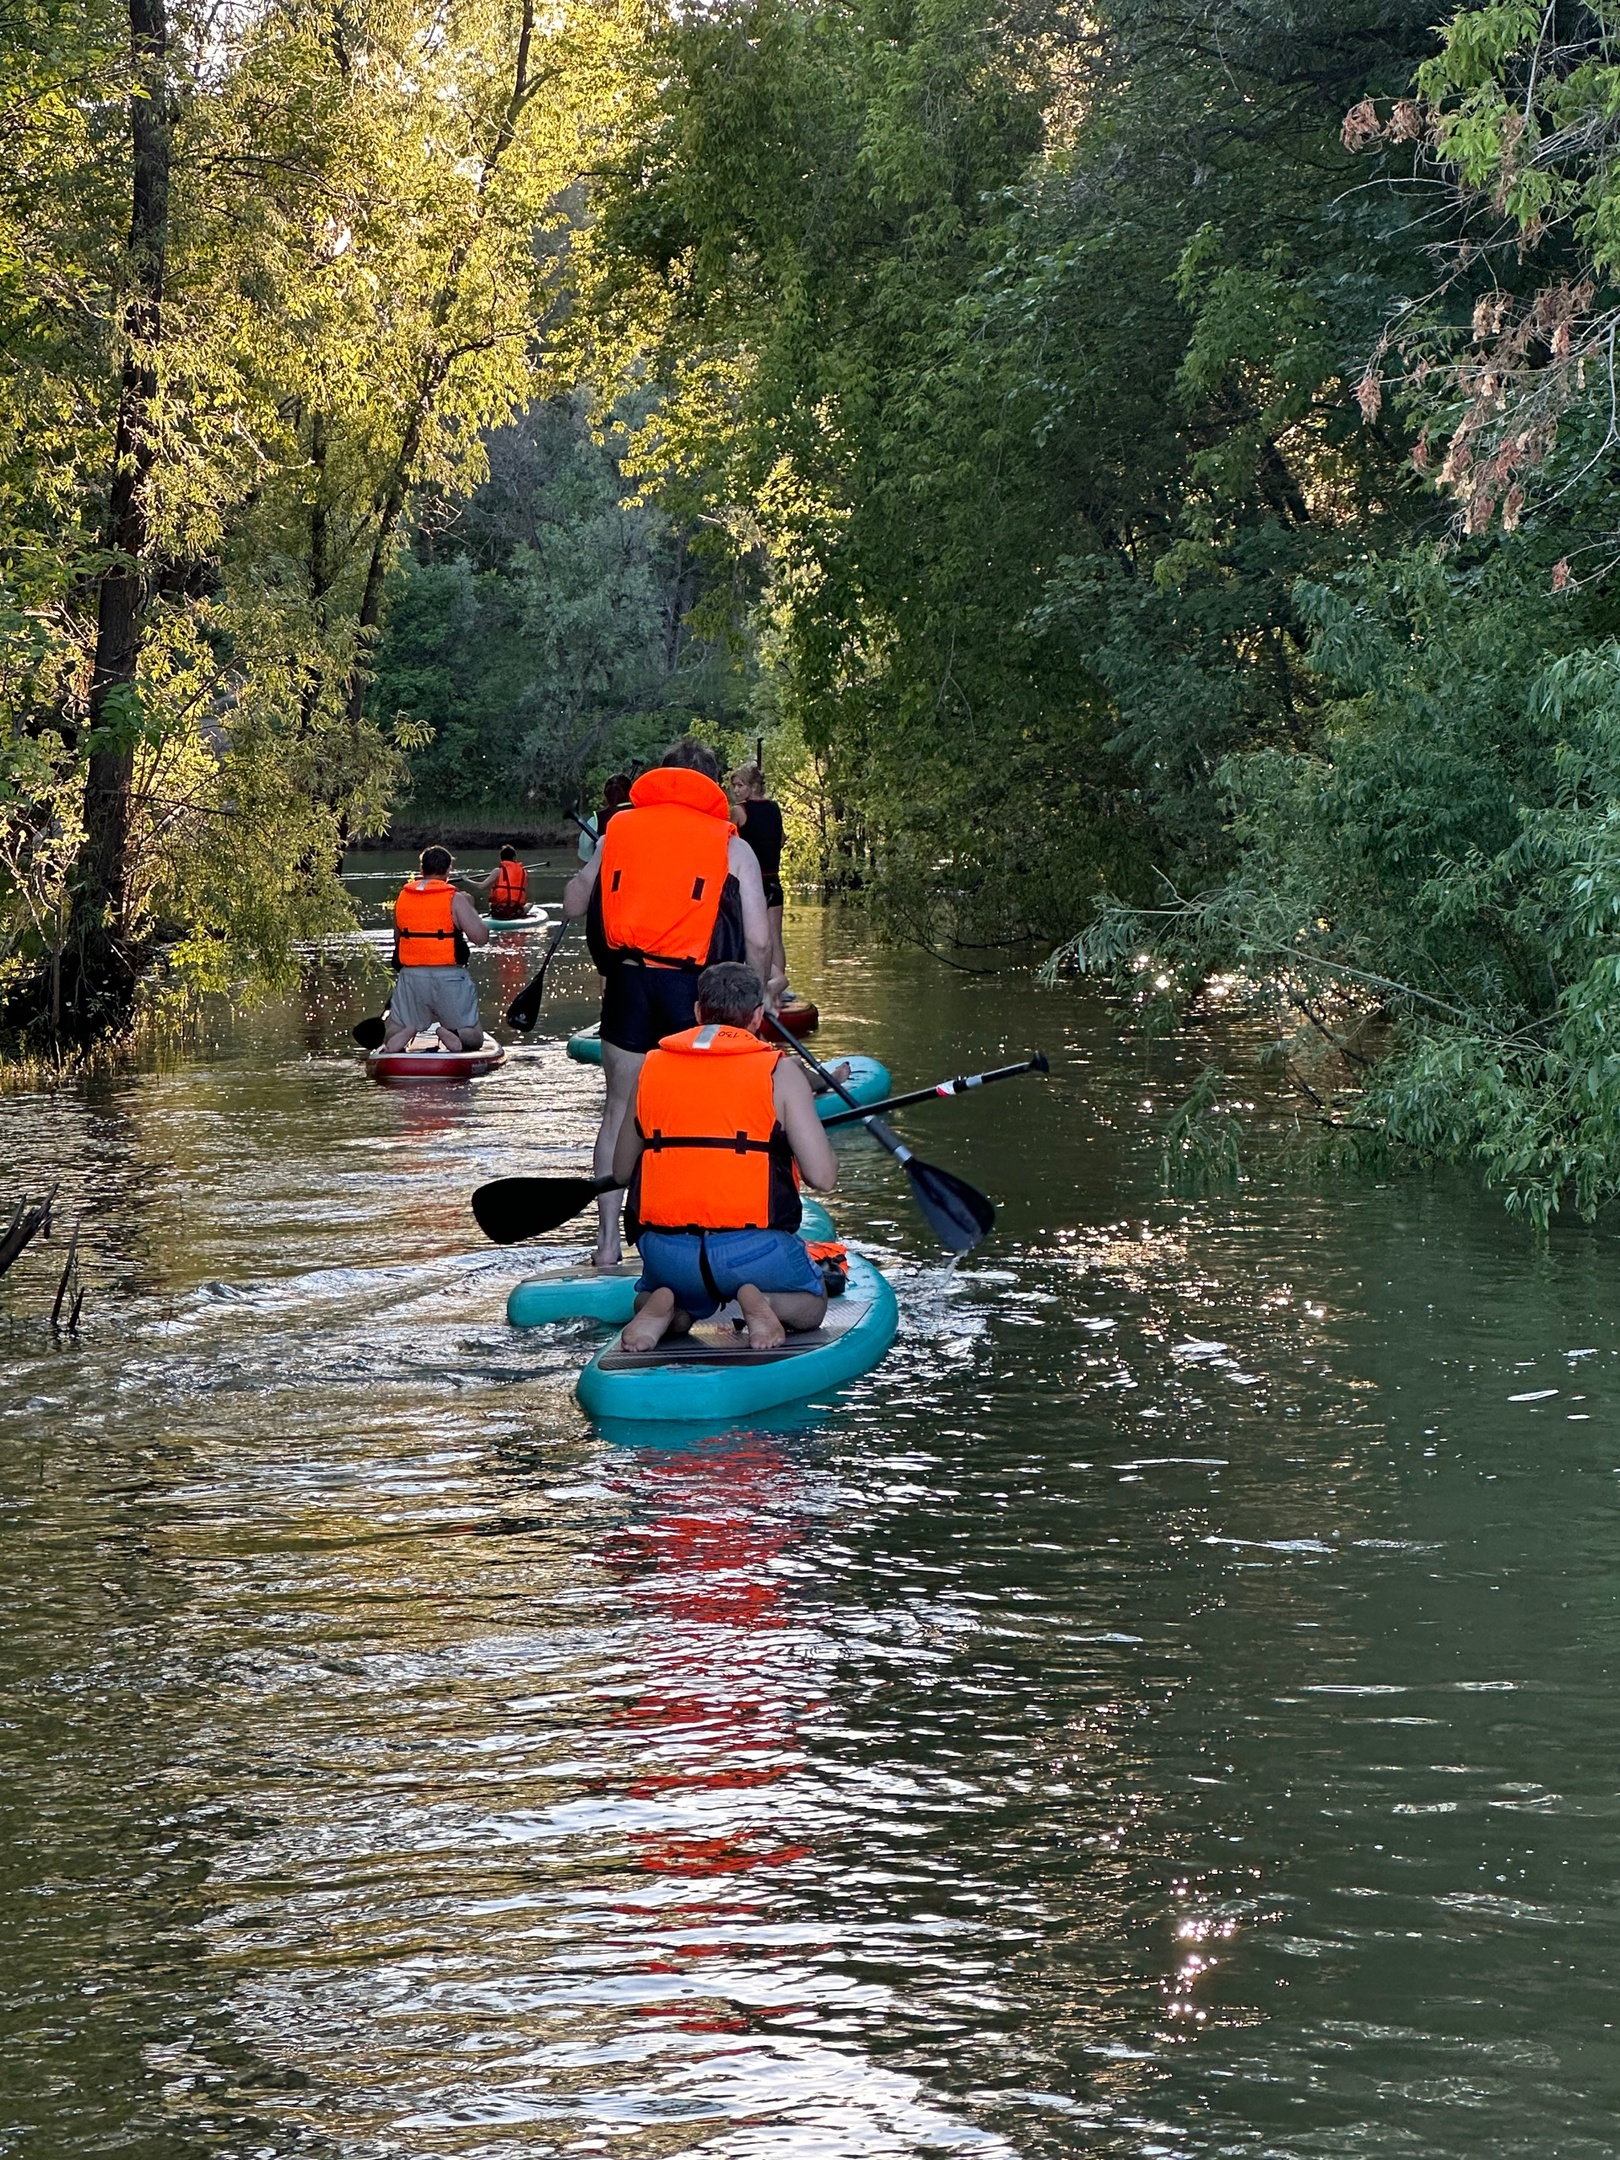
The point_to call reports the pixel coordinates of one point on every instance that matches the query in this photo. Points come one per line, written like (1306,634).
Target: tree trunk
(395,493)
(102,962)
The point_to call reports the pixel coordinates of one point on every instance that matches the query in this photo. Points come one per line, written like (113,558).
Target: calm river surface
(1169,1708)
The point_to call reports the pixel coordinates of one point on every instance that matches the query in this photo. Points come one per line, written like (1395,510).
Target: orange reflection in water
(724,1698)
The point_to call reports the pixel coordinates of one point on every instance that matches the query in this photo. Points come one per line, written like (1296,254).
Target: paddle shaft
(943,1087)
(873,1123)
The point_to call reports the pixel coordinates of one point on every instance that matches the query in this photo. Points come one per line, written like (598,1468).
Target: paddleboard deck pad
(424,1064)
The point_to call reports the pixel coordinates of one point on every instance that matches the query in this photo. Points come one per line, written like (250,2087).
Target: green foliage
(1200,1149)
(1019,424)
(365,230)
(540,635)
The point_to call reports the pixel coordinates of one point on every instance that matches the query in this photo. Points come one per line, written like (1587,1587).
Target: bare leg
(396,1039)
(771,1319)
(470,1042)
(778,956)
(621,1069)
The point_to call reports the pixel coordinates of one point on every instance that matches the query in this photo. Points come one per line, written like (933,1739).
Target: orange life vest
(713,1156)
(425,933)
(663,870)
(510,889)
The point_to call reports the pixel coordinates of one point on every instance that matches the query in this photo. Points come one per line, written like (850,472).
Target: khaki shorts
(425,994)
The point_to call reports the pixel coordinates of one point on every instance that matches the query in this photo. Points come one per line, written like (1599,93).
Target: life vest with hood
(425,933)
(664,894)
(510,891)
(713,1154)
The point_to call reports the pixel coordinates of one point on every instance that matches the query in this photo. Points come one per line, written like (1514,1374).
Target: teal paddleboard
(868,1081)
(587,1293)
(712,1376)
(536,919)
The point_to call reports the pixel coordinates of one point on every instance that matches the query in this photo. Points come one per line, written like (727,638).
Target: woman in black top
(759,821)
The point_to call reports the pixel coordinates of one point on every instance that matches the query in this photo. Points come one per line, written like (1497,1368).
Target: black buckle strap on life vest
(740,1145)
(633,956)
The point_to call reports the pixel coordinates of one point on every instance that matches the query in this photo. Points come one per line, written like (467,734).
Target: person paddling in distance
(433,927)
(507,886)
(724,1128)
(669,891)
(759,821)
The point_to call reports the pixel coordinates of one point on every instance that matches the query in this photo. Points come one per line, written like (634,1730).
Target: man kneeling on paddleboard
(724,1128)
(433,927)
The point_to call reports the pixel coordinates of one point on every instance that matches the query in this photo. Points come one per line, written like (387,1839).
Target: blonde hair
(745,781)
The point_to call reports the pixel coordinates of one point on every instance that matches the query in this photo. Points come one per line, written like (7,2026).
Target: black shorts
(773,892)
(641,1005)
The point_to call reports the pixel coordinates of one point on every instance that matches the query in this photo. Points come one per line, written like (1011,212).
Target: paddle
(958,1213)
(524,1009)
(1037,1063)
(512,1208)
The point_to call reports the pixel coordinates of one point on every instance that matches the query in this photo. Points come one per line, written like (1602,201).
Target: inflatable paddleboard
(424,1064)
(712,1374)
(799,1016)
(608,1294)
(535,918)
(868,1081)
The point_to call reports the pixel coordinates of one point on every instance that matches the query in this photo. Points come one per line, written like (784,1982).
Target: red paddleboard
(799,1016)
(436,1064)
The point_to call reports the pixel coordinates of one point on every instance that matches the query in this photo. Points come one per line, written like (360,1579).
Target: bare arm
(743,864)
(464,914)
(577,892)
(807,1136)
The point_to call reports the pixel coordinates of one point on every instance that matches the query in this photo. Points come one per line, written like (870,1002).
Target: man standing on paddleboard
(724,1127)
(669,891)
(433,927)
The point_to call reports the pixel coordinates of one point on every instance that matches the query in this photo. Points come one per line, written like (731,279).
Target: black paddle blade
(369,1034)
(524,1009)
(959,1215)
(513,1208)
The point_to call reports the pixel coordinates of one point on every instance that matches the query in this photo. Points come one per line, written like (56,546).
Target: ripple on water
(1164,1710)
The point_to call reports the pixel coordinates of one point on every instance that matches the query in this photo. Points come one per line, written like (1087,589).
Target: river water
(1168,1708)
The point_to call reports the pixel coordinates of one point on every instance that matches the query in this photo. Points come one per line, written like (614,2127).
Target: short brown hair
(729,993)
(695,756)
(435,861)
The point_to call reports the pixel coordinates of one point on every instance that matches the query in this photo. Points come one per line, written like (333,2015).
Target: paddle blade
(524,1009)
(369,1034)
(513,1208)
(959,1215)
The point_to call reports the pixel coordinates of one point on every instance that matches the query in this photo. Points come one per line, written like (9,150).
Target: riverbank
(417,827)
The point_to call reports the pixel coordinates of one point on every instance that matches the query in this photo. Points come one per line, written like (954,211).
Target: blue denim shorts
(769,1259)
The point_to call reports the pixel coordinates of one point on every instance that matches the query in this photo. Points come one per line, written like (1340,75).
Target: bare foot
(447,1041)
(765,1331)
(606,1256)
(648,1329)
